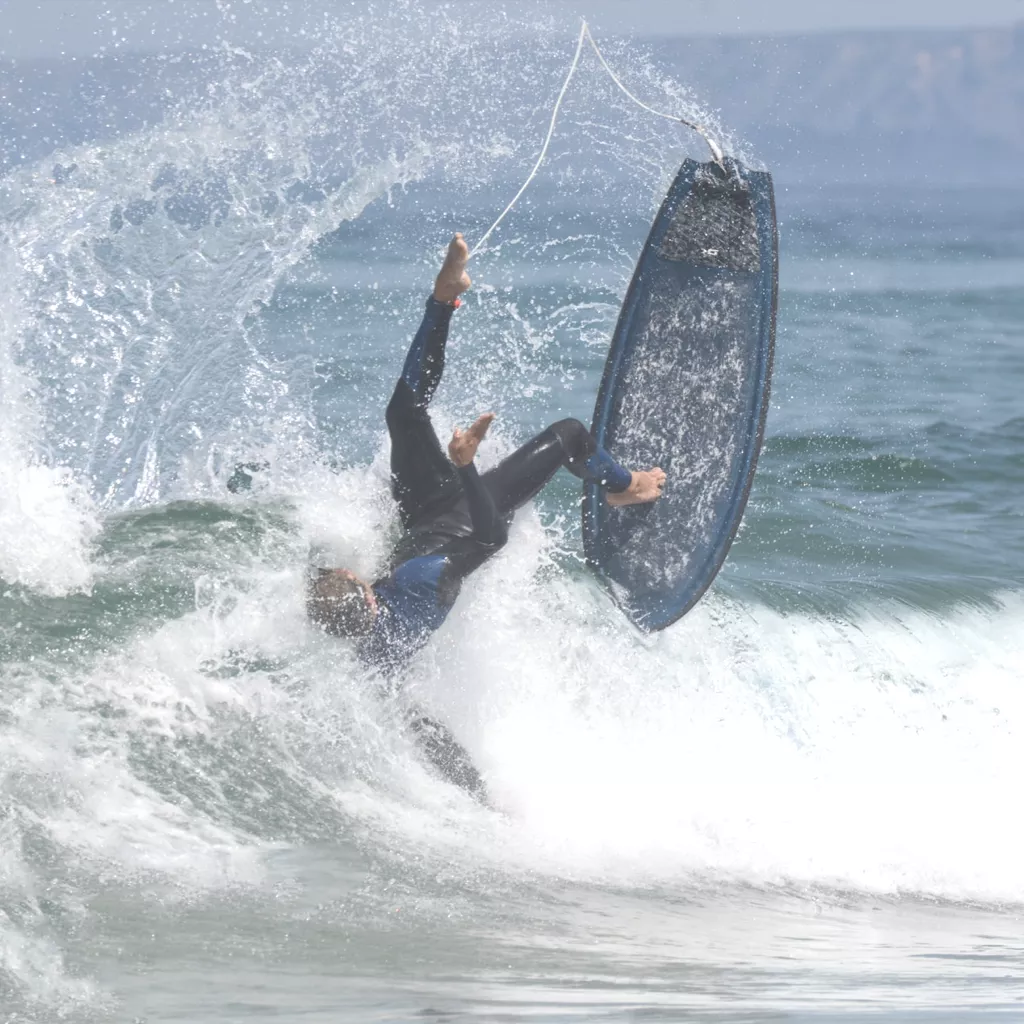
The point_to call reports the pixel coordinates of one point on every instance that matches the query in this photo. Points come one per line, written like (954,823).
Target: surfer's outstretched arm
(447,755)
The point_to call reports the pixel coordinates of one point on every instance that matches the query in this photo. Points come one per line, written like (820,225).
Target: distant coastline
(943,106)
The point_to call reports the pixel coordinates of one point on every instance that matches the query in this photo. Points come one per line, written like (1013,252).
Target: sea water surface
(800,803)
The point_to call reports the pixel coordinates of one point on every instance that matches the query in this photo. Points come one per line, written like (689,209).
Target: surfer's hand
(464,443)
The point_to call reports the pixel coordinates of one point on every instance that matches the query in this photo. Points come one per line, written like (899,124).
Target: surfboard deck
(686,387)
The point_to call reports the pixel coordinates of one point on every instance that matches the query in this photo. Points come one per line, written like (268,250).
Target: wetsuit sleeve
(602,469)
(488,527)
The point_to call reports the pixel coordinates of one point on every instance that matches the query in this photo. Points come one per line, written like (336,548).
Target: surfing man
(454,518)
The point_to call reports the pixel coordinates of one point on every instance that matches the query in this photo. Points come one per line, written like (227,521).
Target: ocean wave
(860,748)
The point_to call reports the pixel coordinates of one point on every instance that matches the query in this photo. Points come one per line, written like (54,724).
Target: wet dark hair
(337,602)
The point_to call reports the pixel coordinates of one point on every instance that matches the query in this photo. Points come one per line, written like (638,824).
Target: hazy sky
(49,27)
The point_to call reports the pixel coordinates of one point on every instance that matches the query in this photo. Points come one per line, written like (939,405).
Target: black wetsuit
(455,519)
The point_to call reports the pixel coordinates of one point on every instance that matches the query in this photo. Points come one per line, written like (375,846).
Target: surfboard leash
(585,36)
(716,150)
(547,140)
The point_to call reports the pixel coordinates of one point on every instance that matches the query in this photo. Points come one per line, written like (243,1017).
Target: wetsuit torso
(427,571)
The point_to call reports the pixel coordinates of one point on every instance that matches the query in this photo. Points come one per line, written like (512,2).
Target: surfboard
(686,387)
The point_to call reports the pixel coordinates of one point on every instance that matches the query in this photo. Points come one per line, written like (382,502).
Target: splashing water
(234,283)
(47,518)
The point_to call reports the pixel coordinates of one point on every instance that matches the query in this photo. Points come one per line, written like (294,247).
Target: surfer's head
(341,603)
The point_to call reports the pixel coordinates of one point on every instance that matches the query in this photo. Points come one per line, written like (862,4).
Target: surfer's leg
(590,462)
(422,478)
(520,477)
(425,362)
(421,475)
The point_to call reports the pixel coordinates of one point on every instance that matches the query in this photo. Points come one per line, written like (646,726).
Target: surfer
(453,517)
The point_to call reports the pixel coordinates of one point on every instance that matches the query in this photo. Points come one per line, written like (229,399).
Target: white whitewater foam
(870,752)
(741,743)
(47,518)
(35,968)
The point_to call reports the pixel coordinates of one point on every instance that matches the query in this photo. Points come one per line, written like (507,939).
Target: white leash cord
(716,151)
(547,141)
(585,34)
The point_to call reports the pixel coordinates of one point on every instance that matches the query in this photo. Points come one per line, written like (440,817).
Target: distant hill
(937,105)
(946,105)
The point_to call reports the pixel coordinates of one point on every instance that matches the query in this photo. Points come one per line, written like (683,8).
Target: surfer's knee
(575,438)
(402,406)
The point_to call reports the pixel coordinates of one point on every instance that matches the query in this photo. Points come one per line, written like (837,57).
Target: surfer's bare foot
(453,280)
(645,487)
